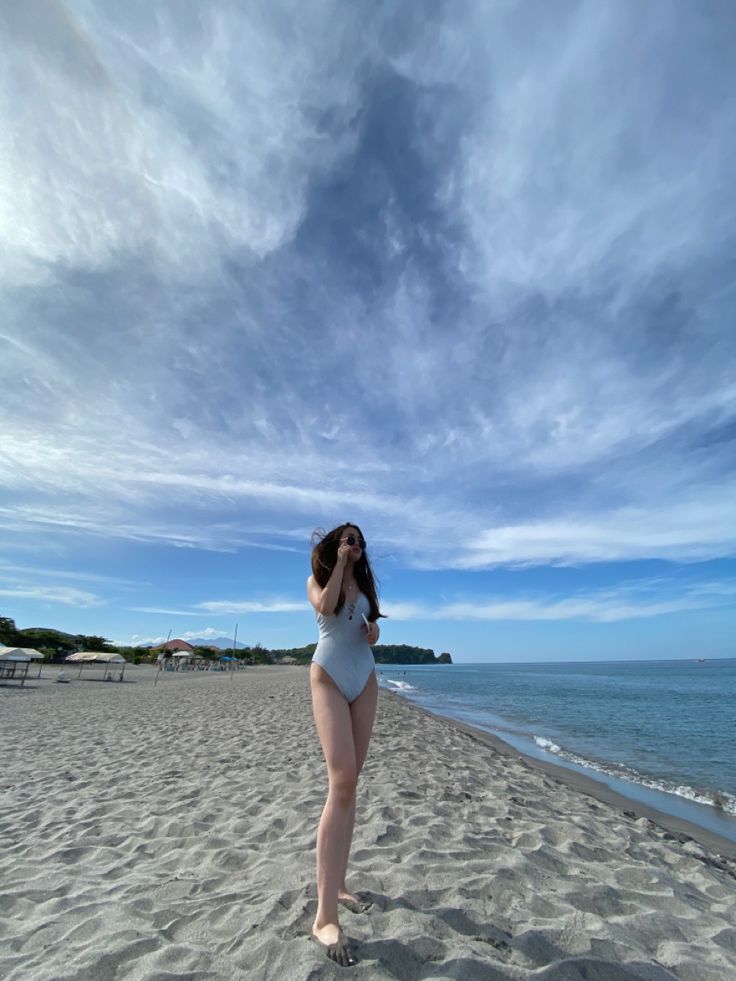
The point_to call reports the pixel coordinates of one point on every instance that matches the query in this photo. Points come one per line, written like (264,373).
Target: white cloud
(53,594)
(126,100)
(275,605)
(10,571)
(168,612)
(521,361)
(206,633)
(627,602)
(682,531)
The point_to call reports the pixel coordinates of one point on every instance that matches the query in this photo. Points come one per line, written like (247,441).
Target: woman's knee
(342,786)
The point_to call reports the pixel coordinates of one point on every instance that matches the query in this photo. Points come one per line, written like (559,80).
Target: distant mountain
(221,642)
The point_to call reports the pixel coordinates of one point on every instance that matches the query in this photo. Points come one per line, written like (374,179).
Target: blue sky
(462,273)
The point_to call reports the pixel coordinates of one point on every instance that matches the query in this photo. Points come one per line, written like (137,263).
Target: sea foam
(726,802)
(398,685)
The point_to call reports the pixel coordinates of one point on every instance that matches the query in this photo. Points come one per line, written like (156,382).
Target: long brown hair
(324,559)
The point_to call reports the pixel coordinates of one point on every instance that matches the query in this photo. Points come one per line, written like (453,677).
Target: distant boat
(700,660)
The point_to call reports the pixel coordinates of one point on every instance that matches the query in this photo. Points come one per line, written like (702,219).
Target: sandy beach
(169,832)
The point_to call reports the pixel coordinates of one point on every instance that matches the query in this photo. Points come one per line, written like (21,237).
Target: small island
(383,653)
(405,654)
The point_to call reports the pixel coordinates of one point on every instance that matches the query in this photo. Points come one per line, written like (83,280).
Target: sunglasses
(352,540)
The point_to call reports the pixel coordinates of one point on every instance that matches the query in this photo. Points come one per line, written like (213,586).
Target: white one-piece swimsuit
(342,649)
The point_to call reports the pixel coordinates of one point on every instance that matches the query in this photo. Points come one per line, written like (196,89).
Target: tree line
(55,645)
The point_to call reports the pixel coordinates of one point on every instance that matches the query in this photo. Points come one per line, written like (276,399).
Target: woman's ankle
(323,919)
(321,925)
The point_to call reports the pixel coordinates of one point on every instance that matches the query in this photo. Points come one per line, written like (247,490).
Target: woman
(344,696)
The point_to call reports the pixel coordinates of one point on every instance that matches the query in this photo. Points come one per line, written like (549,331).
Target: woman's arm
(325,600)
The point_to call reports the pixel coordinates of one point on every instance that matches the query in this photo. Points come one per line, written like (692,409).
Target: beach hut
(176,645)
(15,661)
(98,657)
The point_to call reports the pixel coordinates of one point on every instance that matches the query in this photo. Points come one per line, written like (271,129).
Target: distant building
(175,645)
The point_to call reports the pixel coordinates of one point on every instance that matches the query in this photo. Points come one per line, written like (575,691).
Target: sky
(462,273)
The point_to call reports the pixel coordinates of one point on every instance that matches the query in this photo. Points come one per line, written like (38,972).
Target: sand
(169,832)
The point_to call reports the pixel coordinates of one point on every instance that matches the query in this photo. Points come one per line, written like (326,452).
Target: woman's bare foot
(326,934)
(359,903)
(332,939)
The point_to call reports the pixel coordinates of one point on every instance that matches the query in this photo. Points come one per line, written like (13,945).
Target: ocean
(661,732)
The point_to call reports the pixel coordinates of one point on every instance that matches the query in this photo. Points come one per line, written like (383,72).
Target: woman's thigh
(334,723)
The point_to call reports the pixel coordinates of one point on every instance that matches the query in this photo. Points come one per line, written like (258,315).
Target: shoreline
(569,775)
(681,828)
(683,789)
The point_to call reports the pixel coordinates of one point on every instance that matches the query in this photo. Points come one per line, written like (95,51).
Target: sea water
(663,727)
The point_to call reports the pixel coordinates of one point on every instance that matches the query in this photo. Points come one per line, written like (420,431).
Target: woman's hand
(372,633)
(343,552)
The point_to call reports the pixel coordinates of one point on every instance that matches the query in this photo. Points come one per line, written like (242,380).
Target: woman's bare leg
(363,715)
(335,729)
(343,892)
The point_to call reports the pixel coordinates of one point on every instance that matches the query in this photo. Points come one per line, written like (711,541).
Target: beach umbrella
(96,657)
(99,657)
(181,656)
(20,654)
